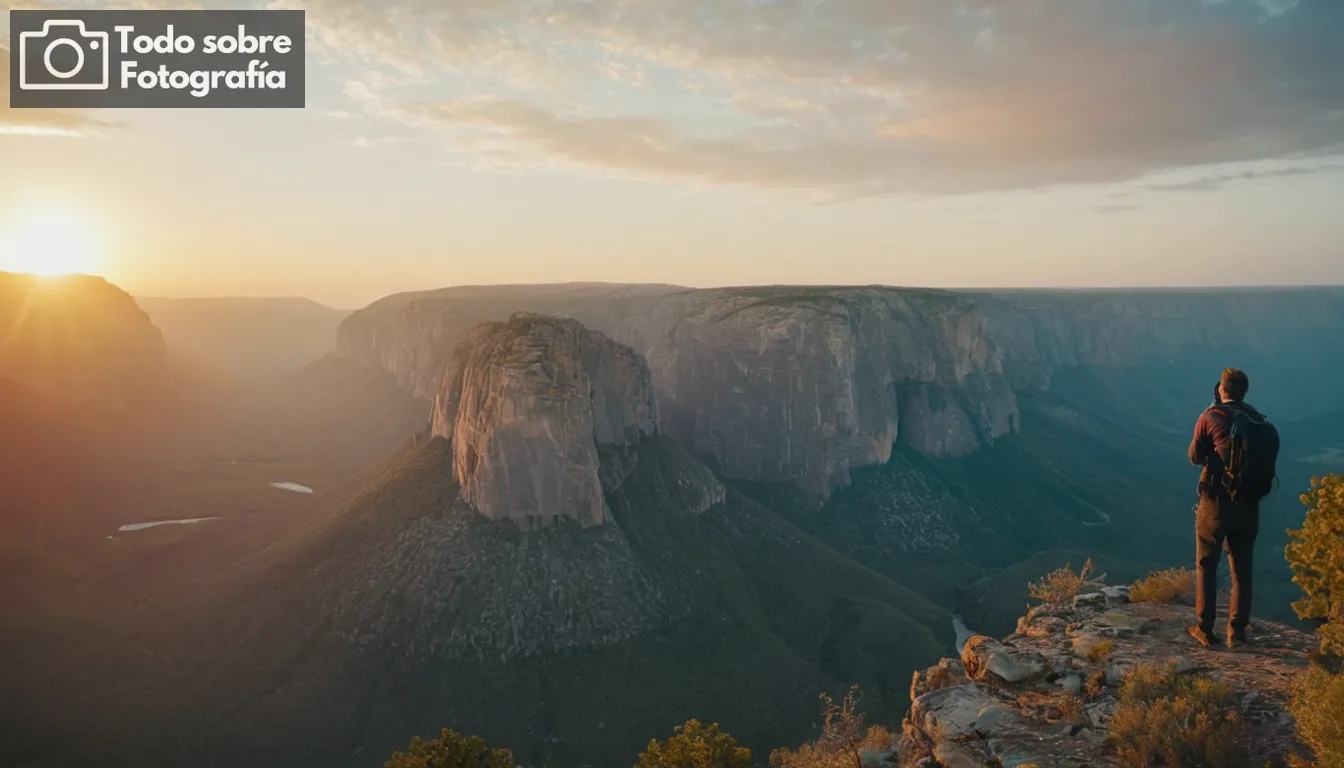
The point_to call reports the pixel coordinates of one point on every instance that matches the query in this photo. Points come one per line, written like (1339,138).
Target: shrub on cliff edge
(1174,585)
(695,745)
(1163,715)
(1318,708)
(1061,586)
(451,750)
(843,742)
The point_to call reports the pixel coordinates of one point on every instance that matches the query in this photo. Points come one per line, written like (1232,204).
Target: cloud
(841,98)
(41,122)
(369,142)
(1114,208)
(1210,183)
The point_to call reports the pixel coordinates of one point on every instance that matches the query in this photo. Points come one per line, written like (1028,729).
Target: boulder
(950,712)
(1116,595)
(946,672)
(1071,684)
(985,657)
(881,758)
(1089,600)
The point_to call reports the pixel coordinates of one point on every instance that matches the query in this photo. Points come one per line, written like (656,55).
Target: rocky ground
(1045,696)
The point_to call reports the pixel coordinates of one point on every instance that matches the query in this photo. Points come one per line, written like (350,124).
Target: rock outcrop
(1046,694)
(801,385)
(79,337)
(412,335)
(531,408)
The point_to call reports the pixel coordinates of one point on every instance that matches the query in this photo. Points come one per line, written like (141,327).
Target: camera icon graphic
(44,58)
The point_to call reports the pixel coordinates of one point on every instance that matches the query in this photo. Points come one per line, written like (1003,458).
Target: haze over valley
(564,516)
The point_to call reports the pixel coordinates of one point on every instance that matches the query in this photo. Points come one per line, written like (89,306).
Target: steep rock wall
(526,404)
(413,334)
(803,384)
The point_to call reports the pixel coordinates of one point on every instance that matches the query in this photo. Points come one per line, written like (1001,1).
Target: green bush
(695,745)
(451,750)
(1318,707)
(1316,553)
(1163,715)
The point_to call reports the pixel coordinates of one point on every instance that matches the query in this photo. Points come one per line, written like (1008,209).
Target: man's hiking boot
(1236,638)
(1201,635)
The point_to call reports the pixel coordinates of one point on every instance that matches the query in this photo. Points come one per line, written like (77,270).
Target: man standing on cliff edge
(1238,447)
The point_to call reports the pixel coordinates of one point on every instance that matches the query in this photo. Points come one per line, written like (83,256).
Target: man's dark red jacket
(1211,442)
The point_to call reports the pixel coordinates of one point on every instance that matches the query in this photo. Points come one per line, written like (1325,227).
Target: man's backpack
(1253,450)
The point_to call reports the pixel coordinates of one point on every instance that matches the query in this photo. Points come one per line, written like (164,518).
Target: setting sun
(48,244)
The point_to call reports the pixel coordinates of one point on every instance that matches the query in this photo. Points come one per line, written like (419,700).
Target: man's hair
(1235,383)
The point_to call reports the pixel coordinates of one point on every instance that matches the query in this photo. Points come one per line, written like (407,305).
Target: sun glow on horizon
(49,243)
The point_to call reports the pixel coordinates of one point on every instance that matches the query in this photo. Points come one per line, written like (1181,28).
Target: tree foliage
(1318,708)
(695,745)
(1316,553)
(451,750)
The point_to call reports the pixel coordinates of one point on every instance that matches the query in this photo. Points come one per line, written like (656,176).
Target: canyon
(802,385)
(568,517)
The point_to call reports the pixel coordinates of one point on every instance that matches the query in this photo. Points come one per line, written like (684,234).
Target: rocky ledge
(1046,694)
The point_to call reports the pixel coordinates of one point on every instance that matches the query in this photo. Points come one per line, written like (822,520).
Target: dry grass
(844,738)
(1174,585)
(1096,683)
(1101,651)
(1071,709)
(1165,716)
(1061,586)
(939,677)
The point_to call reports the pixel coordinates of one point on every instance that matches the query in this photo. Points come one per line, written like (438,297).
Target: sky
(1053,143)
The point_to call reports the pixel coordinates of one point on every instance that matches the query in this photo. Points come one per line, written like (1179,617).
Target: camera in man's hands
(1217,394)
(64,56)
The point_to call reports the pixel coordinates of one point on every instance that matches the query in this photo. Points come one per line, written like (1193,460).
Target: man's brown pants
(1230,527)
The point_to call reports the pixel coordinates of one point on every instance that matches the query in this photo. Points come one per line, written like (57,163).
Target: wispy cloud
(857,97)
(369,142)
(1218,181)
(42,122)
(1114,208)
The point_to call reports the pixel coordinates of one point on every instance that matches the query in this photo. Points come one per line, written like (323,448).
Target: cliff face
(531,408)
(413,334)
(79,337)
(802,385)
(1042,332)
(1048,693)
(542,425)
